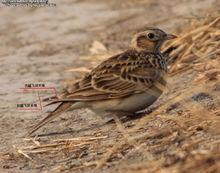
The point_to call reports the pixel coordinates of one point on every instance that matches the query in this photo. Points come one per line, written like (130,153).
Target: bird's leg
(119,124)
(138,115)
(150,110)
(120,113)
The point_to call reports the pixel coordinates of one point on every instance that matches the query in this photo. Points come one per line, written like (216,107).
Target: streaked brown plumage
(125,83)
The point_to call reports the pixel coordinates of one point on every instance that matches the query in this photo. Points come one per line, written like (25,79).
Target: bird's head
(150,40)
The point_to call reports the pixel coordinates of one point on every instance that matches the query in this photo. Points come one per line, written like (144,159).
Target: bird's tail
(59,109)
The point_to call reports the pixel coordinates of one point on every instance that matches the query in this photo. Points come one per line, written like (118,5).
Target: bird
(123,84)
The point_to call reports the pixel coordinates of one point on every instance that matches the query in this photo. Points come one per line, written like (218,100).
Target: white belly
(132,104)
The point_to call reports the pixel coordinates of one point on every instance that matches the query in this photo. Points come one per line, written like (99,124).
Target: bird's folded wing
(119,76)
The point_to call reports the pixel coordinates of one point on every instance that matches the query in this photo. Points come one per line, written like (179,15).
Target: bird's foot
(138,115)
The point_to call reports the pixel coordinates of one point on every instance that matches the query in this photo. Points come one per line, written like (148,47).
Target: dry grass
(199,42)
(37,147)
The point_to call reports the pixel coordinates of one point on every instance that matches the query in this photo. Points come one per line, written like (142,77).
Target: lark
(121,85)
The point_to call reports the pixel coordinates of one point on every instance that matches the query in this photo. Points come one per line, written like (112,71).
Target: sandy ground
(39,44)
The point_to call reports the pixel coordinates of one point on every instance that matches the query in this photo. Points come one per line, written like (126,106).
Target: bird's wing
(119,76)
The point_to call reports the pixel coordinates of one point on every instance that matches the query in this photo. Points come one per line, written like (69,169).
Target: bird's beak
(170,36)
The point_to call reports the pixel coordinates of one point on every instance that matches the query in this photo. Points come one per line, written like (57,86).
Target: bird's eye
(150,35)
